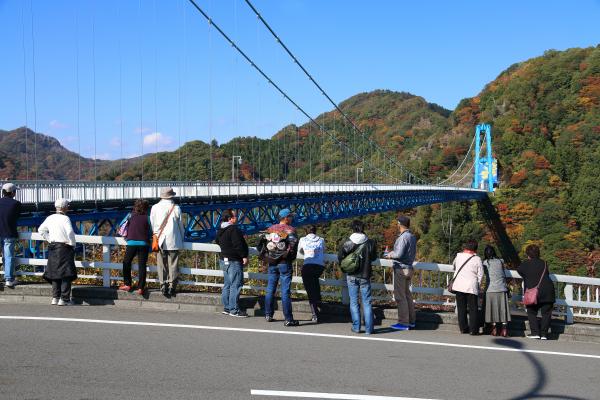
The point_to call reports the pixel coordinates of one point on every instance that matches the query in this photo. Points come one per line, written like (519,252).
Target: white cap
(9,187)
(61,203)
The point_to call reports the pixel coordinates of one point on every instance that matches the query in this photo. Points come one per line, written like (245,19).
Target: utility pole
(233,158)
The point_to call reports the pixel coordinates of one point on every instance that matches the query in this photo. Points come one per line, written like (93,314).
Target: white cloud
(56,124)
(103,156)
(155,138)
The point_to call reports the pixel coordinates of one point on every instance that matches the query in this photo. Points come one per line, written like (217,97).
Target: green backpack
(352,262)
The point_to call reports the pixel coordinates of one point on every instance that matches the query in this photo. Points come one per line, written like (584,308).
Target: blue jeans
(8,256)
(281,272)
(233,275)
(364,285)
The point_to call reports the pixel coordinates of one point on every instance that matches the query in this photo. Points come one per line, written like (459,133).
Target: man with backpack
(356,256)
(277,249)
(234,255)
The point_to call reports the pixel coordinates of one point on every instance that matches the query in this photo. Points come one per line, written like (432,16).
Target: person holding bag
(137,234)
(497,310)
(539,292)
(167,239)
(465,285)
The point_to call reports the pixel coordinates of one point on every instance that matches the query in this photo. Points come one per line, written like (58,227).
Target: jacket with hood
(231,240)
(312,247)
(369,253)
(286,254)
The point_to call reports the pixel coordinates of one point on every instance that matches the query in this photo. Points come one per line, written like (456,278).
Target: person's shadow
(541,377)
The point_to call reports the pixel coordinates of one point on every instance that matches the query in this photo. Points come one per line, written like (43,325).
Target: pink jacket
(469,278)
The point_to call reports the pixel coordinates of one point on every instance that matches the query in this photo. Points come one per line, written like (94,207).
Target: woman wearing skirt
(497,311)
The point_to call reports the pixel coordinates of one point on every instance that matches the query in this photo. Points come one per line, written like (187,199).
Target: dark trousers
(534,322)
(468,301)
(310,277)
(142,254)
(61,289)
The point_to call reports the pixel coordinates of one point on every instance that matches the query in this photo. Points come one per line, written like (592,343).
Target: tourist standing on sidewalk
(165,218)
(233,258)
(10,210)
(535,273)
(312,248)
(403,254)
(138,244)
(277,249)
(60,270)
(468,273)
(497,309)
(361,252)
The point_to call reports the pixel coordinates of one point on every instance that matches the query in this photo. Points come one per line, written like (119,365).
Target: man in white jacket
(165,218)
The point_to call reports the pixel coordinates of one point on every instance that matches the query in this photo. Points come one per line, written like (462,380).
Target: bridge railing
(35,192)
(99,262)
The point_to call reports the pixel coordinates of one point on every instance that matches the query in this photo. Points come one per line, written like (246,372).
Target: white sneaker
(544,338)
(61,302)
(54,301)
(532,337)
(10,284)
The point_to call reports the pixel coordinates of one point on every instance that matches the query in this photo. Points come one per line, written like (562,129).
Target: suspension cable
(275,85)
(77,91)
(287,50)
(156,132)
(461,164)
(94,93)
(141,89)
(25,91)
(34,94)
(120,94)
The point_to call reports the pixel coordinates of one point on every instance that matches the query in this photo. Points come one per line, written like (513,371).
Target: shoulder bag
(155,246)
(451,283)
(530,297)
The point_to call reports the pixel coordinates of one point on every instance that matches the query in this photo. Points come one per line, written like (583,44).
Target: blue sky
(163,77)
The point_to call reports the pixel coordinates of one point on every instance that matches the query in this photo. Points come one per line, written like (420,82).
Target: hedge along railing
(580,295)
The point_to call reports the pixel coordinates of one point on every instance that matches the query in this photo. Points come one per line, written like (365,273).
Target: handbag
(155,246)
(124,227)
(451,282)
(530,297)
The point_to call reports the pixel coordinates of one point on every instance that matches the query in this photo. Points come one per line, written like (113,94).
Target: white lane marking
(325,335)
(315,395)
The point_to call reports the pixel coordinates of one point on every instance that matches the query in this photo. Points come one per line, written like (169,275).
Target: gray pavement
(44,359)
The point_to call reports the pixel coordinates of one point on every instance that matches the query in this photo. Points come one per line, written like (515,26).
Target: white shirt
(469,278)
(173,233)
(57,228)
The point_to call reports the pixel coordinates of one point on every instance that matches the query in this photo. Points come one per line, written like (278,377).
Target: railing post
(106,271)
(568,298)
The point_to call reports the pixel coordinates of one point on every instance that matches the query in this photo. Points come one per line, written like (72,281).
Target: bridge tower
(486,168)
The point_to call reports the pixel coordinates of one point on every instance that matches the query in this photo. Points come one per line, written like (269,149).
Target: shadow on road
(541,376)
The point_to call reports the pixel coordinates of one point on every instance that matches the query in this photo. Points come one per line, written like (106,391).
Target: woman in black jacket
(535,271)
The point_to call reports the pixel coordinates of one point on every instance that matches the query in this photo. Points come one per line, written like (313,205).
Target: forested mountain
(545,117)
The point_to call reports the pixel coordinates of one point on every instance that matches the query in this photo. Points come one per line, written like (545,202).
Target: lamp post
(233,158)
(357,171)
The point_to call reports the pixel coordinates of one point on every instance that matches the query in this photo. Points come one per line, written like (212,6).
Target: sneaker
(543,338)
(354,330)
(413,325)
(9,284)
(61,302)
(532,337)
(225,312)
(54,301)
(140,292)
(268,318)
(291,322)
(400,327)
(125,288)
(315,319)
(239,314)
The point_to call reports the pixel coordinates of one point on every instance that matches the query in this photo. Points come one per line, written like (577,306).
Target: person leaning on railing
(312,248)
(468,273)
(497,310)
(10,211)
(138,241)
(535,274)
(60,269)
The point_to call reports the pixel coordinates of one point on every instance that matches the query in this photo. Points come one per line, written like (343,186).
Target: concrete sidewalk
(331,312)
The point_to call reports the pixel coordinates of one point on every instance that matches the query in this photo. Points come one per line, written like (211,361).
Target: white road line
(297,333)
(315,395)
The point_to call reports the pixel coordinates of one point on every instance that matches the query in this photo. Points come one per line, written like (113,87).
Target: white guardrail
(576,296)
(48,191)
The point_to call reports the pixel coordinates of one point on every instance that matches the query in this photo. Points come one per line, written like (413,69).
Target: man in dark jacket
(277,249)
(234,256)
(361,279)
(10,210)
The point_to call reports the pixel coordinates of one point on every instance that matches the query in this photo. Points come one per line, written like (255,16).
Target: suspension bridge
(381,183)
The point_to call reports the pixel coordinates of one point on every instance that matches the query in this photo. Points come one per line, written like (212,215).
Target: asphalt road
(104,353)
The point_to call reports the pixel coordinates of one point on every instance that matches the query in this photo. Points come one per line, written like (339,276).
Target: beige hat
(167,193)
(61,204)
(9,187)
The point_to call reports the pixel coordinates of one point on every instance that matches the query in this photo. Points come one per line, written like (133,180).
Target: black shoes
(268,318)
(165,291)
(172,292)
(291,322)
